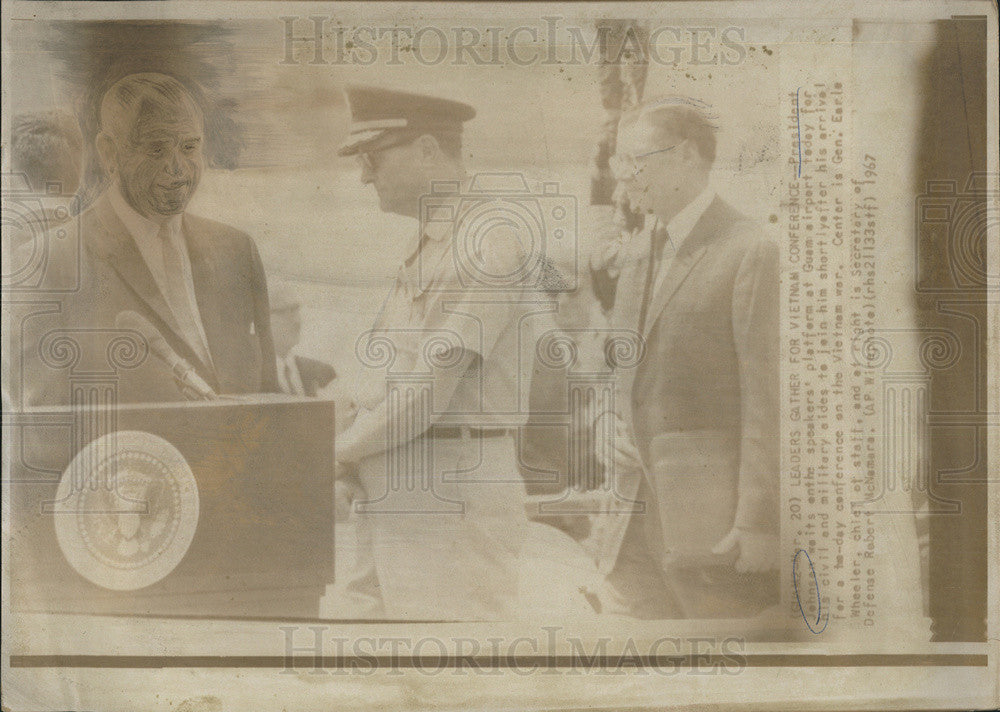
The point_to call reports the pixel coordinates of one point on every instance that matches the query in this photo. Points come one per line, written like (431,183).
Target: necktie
(660,246)
(410,280)
(661,239)
(664,252)
(176,293)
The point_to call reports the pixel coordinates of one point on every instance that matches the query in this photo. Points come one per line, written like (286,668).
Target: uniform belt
(462,431)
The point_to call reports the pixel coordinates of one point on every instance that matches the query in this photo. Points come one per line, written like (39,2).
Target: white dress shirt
(147,236)
(289,378)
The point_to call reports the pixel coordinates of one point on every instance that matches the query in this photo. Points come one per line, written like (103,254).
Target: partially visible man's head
(664,154)
(47,147)
(150,142)
(404,170)
(404,142)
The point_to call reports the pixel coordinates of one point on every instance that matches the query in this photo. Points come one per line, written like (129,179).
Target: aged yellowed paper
(520,355)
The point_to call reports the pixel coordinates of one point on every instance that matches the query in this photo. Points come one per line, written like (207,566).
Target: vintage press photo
(479,356)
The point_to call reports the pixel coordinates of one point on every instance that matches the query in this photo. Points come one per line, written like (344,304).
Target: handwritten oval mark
(798,600)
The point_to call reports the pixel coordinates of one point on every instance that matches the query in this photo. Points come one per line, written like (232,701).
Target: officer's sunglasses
(371,160)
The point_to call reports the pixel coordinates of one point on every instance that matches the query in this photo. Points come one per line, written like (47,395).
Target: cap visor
(359,141)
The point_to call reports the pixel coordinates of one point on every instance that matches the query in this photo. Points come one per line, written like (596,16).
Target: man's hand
(620,455)
(758,550)
(346,410)
(345,491)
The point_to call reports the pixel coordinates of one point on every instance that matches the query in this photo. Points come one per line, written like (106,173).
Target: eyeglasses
(626,166)
(370,159)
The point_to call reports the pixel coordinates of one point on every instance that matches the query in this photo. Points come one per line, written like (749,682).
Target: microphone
(191,384)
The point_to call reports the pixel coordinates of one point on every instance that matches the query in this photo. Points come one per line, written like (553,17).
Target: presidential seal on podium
(126,510)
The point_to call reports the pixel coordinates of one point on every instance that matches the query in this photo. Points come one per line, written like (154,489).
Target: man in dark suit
(695,432)
(297,375)
(197,282)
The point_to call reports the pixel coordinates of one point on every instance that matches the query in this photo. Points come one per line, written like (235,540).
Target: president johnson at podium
(197,286)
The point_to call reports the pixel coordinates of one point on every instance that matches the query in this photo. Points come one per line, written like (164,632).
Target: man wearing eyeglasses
(695,435)
(441,515)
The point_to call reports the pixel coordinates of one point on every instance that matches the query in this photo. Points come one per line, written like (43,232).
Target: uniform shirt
(147,236)
(440,311)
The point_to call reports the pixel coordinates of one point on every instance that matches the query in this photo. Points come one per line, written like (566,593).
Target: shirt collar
(680,227)
(434,235)
(430,231)
(438,230)
(139,227)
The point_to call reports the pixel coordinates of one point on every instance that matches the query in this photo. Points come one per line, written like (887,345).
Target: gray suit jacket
(703,403)
(231,293)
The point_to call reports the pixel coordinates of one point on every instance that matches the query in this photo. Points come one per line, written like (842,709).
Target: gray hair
(131,95)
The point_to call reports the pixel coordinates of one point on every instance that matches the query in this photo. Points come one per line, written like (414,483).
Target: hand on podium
(345,405)
(347,488)
(345,409)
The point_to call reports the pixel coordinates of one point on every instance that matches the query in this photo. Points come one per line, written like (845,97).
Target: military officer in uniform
(441,517)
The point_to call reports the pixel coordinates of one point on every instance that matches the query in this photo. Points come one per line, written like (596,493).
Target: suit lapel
(116,247)
(206,292)
(677,272)
(628,302)
(687,257)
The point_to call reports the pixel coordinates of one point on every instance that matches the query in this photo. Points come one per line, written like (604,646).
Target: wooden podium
(222,508)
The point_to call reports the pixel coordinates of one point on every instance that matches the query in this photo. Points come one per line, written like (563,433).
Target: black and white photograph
(439,355)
